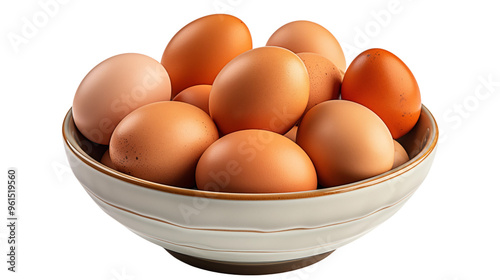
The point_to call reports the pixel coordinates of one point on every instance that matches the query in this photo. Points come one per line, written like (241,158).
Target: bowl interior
(418,143)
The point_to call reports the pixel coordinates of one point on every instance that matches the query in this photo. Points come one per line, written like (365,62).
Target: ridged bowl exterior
(252,228)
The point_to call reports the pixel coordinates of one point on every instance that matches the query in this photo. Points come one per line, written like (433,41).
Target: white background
(449,230)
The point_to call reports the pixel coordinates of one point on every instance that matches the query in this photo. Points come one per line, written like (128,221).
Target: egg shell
(306,36)
(324,79)
(264,88)
(198,51)
(346,141)
(106,160)
(196,95)
(162,142)
(292,133)
(114,88)
(400,155)
(255,161)
(381,81)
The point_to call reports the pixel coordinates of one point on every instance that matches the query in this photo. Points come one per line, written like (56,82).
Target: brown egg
(346,141)
(114,88)
(400,155)
(292,133)
(162,142)
(264,88)
(195,95)
(306,36)
(382,82)
(106,160)
(324,79)
(255,161)
(197,53)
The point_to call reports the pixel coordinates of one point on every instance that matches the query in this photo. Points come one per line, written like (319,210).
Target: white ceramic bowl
(251,233)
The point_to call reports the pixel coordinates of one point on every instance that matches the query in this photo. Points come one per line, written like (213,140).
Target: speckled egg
(162,142)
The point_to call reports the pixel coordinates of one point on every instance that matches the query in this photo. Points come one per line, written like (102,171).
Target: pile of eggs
(219,115)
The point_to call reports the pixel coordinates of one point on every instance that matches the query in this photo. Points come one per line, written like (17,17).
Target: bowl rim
(74,148)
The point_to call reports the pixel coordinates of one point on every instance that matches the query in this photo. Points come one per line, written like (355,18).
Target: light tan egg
(264,88)
(292,133)
(324,79)
(106,160)
(400,155)
(255,161)
(346,141)
(196,95)
(162,142)
(306,36)
(114,88)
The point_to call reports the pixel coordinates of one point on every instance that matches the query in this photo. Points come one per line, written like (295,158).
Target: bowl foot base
(249,268)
